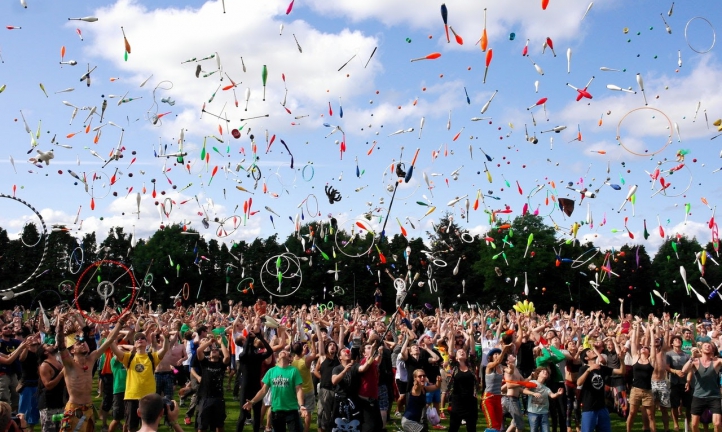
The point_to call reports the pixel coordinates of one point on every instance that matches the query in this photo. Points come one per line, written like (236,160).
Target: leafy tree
(671,256)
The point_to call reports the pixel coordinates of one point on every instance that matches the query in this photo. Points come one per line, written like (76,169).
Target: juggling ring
(554,206)
(80,263)
(303,172)
(90,181)
(66,287)
(433,286)
(322,307)
(148,280)
(186,291)
(689,185)
(578,261)
(238,287)
(253,170)
(45,243)
(167,210)
(399,285)
(714,35)
(316,214)
(353,226)
(133,292)
(289,259)
(105,289)
(463,237)
(669,139)
(221,232)
(338,290)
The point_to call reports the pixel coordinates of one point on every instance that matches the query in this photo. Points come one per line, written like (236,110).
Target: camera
(168,405)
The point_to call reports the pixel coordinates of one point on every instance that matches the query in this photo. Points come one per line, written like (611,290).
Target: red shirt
(369,387)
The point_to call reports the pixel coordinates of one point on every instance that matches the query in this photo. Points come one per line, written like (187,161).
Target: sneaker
(442,416)
(397,414)
(249,421)
(187,420)
(463,422)
(438,426)
(181,402)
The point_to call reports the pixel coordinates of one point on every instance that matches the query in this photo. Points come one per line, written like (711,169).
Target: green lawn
(233,412)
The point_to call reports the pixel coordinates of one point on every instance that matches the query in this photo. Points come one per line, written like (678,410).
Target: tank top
(642,376)
(415,406)
(493,383)
(52,398)
(189,352)
(706,382)
(326,371)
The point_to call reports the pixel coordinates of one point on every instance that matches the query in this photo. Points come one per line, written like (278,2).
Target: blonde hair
(5,415)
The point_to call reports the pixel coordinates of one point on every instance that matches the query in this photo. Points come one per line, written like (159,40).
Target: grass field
(233,412)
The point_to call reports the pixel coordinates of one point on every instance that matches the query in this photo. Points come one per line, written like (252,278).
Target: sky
(339,76)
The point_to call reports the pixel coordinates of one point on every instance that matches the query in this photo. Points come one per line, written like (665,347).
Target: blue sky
(388,95)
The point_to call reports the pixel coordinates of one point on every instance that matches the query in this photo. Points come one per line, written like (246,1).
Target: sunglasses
(79,338)
(141,339)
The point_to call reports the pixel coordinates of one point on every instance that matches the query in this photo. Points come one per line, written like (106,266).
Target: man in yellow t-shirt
(303,364)
(140,381)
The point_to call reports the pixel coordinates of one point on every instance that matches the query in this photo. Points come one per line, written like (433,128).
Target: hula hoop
(689,185)
(60,299)
(287,259)
(391,185)
(186,291)
(714,35)
(578,261)
(308,210)
(96,265)
(97,176)
(669,139)
(303,172)
(44,233)
(73,259)
(554,204)
(238,287)
(348,243)
(167,210)
(221,231)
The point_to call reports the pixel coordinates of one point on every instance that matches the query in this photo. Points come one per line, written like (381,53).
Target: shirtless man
(510,401)
(78,366)
(660,385)
(164,375)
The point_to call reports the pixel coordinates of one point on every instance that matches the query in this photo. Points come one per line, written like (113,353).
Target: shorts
(309,401)
(119,406)
(211,413)
(401,385)
(640,397)
(700,405)
(383,398)
(164,384)
(132,420)
(29,405)
(78,418)
(433,397)
(661,393)
(680,397)
(267,398)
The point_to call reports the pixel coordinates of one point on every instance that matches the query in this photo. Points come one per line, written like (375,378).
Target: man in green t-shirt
(119,377)
(286,397)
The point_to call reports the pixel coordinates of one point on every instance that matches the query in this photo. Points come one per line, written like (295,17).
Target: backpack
(150,357)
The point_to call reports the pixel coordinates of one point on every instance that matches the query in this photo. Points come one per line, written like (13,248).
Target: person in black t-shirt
(211,405)
(345,378)
(592,375)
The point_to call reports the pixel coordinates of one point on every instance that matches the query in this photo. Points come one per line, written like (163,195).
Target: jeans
(596,420)
(538,422)
(283,421)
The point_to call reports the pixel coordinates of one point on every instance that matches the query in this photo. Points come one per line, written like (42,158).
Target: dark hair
(537,371)
(677,337)
(201,329)
(583,355)
(150,407)
(188,335)
(297,348)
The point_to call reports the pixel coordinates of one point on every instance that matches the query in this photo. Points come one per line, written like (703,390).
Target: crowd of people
(357,370)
